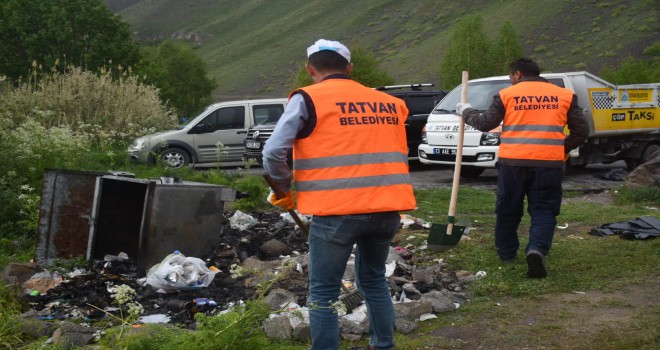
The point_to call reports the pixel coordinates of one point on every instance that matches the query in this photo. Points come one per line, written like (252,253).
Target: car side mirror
(201,128)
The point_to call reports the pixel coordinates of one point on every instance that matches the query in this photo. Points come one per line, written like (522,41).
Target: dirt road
(593,178)
(589,179)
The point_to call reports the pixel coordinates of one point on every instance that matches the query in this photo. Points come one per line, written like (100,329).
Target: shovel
(444,237)
(291,212)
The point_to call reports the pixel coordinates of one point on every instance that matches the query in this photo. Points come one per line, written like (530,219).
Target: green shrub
(257,191)
(119,106)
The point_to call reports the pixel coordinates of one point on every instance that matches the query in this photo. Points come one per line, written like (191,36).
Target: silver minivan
(215,135)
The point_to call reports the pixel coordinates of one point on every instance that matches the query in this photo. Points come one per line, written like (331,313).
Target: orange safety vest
(355,160)
(533,127)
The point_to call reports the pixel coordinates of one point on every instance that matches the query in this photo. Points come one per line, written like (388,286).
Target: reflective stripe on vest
(355,161)
(533,127)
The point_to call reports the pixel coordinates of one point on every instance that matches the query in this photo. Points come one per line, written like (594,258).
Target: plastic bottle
(203,304)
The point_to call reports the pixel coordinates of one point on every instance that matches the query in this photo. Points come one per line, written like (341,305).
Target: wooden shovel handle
(291,212)
(459,158)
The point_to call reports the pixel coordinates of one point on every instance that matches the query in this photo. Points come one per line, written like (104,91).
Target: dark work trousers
(542,186)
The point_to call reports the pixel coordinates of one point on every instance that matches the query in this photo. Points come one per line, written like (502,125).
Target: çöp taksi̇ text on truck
(623,123)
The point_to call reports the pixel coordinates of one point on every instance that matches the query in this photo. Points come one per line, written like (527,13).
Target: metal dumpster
(67,199)
(144,218)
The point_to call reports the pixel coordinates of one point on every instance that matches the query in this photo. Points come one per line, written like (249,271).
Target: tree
(366,70)
(59,34)
(634,71)
(507,49)
(469,49)
(179,73)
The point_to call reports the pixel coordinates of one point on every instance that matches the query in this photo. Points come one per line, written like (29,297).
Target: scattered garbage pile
(255,249)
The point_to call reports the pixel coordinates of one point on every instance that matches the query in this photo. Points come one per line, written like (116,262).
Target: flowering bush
(118,105)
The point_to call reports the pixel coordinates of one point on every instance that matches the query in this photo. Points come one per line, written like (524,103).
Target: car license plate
(249,144)
(445,151)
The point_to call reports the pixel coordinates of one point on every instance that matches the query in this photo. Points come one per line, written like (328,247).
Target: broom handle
(451,219)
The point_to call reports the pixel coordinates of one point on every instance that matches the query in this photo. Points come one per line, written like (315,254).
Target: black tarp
(640,228)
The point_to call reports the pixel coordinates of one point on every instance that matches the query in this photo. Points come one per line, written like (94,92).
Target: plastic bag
(177,272)
(242,221)
(288,218)
(408,220)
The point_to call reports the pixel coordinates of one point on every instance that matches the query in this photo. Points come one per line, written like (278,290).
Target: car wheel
(174,157)
(469,172)
(647,154)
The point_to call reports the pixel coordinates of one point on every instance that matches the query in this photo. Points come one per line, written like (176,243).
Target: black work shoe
(508,260)
(536,264)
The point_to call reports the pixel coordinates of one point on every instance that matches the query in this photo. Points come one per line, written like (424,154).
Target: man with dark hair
(350,169)
(533,149)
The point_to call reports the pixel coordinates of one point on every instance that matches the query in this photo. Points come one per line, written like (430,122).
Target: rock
(36,328)
(275,248)
(404,326)
(645,175)
(411,292)
(426,274)
(253,264)
(302,331)
(403,268)
(17,273)
(278,327)
(413,310)
(440,301)
(71,335)
(348,326)
(279,298)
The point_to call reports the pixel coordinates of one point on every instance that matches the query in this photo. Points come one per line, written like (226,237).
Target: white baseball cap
(335,46)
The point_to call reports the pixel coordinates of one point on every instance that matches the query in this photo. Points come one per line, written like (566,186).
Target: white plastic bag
(177,272)
(242,221)
(288,218)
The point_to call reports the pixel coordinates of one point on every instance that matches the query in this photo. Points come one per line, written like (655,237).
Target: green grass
(578,262)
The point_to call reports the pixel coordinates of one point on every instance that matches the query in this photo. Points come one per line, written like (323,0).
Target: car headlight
(138,144)
(490,139)
(425,140)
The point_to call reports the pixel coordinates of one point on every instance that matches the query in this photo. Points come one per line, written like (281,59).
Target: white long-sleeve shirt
(281,141)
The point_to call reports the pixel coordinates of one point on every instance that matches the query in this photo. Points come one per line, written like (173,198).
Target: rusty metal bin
(145,219)
(65,212)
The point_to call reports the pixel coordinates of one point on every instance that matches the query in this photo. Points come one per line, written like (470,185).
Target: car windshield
(480,96)
(184,123)
(188,120)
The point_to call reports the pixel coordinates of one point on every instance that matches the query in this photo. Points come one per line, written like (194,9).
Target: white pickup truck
(624,123)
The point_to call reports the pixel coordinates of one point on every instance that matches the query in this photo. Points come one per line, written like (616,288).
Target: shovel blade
(440,241)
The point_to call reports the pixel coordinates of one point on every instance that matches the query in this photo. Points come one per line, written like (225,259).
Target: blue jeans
(331,240)
(542,186)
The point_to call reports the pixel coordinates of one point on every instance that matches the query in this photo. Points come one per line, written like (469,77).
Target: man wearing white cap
(350,170)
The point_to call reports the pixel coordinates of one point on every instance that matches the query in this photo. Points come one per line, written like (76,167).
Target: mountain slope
(254,47)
